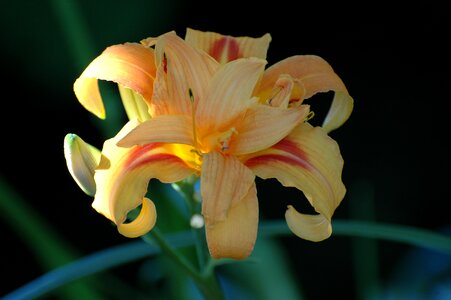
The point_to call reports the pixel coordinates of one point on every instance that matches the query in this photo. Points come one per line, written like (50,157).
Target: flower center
(216,141)
(190,155)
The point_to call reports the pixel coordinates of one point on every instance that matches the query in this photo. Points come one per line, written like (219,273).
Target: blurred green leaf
(266,276)
(364,251)
(42,240)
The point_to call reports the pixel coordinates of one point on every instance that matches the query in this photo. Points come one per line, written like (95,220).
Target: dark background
(394,61)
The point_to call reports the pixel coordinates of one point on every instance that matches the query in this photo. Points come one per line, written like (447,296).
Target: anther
(193,117)
(225,139)
(309,116)
(165,63)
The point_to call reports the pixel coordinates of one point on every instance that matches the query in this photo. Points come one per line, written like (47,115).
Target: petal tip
(143,223)
(315,228)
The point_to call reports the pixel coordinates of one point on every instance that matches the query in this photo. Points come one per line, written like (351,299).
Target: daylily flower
(207,106)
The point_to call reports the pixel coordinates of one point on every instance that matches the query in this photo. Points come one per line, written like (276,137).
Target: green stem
(186,190)
(207,283)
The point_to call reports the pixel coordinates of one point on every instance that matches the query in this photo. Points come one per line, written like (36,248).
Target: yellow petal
(123,174)
(134,104)
(183,73)
(339,112)
(164,128)
(315,75)
(229,206)
(81,159)
(229,93)
(143,223)
(264,126)
(309,160)
(131,65)
(314,228)
(225,48)
(235,236)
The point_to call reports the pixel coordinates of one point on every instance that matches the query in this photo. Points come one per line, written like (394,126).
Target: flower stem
(187,191)
(207,282)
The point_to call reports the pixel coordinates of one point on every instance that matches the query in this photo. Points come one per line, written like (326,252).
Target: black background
(393,59)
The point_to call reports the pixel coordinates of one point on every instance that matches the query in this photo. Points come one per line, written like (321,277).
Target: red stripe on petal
(141,156)
(156,157)
(294,155)
(227,45)
(292,148)
(291,160)
(140,151)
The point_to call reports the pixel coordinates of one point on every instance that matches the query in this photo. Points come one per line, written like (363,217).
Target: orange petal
(225,48)
(165,128)
(131,65)
(315,75)
(123,174)
(229,206)
(309,160)
(183,74)
(229,93)
(235,236)
(264,126)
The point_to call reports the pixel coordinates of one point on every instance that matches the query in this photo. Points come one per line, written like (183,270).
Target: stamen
(193,117)
(165,63)
(199,154)
(310,115)
(225,139)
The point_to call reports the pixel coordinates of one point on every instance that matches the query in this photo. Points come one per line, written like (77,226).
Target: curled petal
(81,159)
(132,65)
(225,48)
(143,223)
(339,112)
(282,91)
(229,206)
(314,75)
(134,104)
(309,160)
(123,174)
(310,227)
